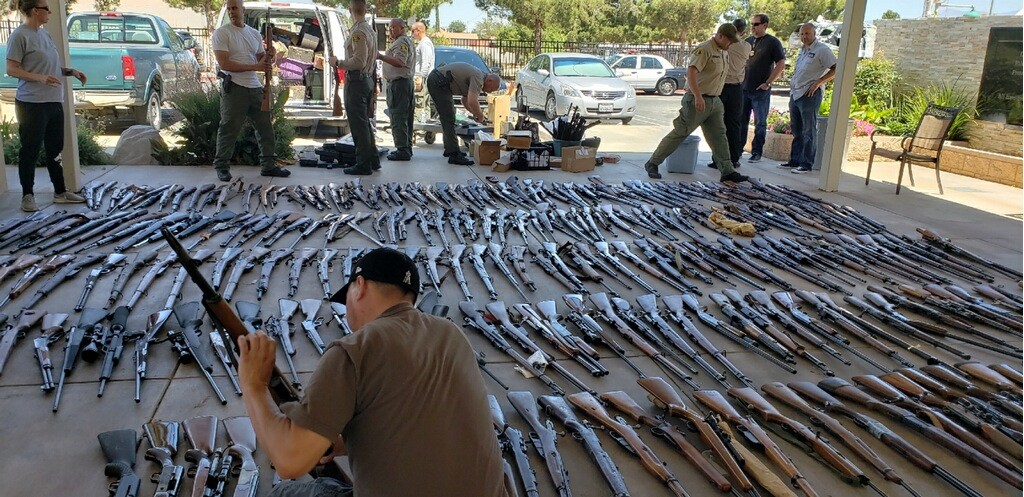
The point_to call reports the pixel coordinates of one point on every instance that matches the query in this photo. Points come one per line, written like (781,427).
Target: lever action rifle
(243,444)
(202,433)
(221,313)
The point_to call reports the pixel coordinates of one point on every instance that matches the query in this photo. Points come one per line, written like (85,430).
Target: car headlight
(570,91)
(630,91)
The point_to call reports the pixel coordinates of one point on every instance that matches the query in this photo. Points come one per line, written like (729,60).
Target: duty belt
(357,74)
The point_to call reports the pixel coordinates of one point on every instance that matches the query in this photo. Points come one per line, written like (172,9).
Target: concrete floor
(50,454)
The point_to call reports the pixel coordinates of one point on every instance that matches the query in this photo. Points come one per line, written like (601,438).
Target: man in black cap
(401,396)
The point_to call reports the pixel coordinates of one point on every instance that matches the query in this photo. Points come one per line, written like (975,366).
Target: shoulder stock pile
(826,355)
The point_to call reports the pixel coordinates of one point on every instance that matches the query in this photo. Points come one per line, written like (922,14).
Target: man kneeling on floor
(401,396)
(705,78)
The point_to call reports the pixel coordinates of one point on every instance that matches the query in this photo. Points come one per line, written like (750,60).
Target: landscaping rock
(135,146)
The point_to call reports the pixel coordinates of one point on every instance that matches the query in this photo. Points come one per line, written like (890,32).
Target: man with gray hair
(398,66)
(815,67)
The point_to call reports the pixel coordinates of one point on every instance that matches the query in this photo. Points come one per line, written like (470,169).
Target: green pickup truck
(132,63)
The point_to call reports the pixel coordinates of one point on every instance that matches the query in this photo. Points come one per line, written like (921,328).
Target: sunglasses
(42,8)
(756,23)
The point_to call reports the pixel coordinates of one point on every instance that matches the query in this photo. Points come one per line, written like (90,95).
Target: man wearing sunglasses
(765,65)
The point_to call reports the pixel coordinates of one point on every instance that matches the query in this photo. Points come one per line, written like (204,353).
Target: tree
(106,5)
(578,17)
(787,15)
(890,14)
(457,26)
(209,8)
(488,28)
(686,20)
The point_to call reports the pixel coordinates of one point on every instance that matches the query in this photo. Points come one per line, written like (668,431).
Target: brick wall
(939,50)
(949,49)
(995,137)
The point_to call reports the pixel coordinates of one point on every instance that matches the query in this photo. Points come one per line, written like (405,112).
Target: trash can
(557,145)
(819,140)
(684,158)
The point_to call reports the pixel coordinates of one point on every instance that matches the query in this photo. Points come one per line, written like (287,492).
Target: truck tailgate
(102,67)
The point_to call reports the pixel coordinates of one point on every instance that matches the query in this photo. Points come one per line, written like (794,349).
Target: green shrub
(90,153)
(876,80)
(912,106)
(872,111)
(201,118)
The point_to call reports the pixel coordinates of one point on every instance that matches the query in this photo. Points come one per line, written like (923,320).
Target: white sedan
(556,82)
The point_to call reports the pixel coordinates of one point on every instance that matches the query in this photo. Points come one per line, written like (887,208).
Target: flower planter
(776,145)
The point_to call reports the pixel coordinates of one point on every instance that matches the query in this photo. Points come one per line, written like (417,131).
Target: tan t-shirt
(405,394)
(361,49)
(465,78)
(710,62)
(737,62)
(402,49)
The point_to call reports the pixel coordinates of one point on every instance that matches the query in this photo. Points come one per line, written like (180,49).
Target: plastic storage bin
(684,158)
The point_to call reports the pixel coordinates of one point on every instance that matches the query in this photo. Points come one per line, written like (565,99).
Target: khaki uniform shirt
(465,78)
(401,49)
(737,66)
(710,62)
(406,396)
(360,49)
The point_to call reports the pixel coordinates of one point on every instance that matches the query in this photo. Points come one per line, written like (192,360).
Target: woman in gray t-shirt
(39,102)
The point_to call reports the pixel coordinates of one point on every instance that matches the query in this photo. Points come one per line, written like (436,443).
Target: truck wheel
(627,120)
(667,87)
(149,113)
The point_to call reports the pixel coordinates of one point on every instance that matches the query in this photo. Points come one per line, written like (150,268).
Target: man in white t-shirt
(240,54)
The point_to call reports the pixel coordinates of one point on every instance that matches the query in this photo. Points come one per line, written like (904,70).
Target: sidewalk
(56,454)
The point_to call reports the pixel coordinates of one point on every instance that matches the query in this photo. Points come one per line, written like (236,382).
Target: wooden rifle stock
(225,318)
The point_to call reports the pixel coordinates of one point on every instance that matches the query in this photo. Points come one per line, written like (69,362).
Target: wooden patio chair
(923,148)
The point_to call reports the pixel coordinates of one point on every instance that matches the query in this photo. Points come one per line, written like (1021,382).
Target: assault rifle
(323,271)
(243,266)
(310,323)
(186,341)
(114,346)
(298,262)
(226,258)
(268,266)
(154,324)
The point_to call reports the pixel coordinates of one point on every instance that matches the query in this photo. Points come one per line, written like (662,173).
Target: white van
(309,34)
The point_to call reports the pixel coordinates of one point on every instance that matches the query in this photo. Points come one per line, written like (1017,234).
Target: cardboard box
(485,152)
(519,139)
(498,111)
(503,164)
(579,159)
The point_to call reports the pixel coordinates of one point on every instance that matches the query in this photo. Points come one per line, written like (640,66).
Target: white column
(839,115)
(57,27)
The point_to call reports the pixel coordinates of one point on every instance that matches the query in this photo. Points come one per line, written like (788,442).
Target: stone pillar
(57,27)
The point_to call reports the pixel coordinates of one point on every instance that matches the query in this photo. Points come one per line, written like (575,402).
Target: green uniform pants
(358,92)
(237,104)
(711,121)
(439,86)
(400,100)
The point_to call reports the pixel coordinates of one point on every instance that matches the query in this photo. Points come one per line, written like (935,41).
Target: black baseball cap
(384,265)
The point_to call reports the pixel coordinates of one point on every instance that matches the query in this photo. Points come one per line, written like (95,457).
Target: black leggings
(40,124)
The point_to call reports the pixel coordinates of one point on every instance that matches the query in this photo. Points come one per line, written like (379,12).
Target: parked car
(641,70)
(191,45)
(672,80)
(308,31)
(557,81)
(444,55)
(132,62)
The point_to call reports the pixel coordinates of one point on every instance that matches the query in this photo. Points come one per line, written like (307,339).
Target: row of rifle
(904,397)
(102,337)
(212,466)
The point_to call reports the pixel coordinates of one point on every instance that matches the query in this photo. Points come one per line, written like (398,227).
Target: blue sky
(466,11)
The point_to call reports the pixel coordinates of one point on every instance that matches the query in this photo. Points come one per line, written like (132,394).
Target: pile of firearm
(213,464)
(821,287)
(571,126)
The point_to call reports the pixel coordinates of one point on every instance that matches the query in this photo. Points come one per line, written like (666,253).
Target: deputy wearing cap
(701,106)
(401,396)
(360,64)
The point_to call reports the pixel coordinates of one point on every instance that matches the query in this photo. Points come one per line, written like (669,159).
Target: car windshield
(444,57)
(582,67)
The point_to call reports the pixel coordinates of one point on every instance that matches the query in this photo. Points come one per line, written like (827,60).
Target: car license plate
(604,107)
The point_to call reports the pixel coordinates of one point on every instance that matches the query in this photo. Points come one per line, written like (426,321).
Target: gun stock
(119,448)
